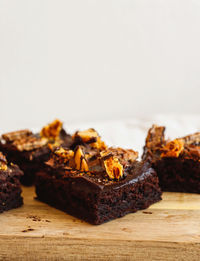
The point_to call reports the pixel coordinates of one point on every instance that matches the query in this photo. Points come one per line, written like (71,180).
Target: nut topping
(173,149)
(15,135)
(52,130)
(3,162)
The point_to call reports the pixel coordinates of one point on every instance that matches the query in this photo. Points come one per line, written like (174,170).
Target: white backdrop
(94,60)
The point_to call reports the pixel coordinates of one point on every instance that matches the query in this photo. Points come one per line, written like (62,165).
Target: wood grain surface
(168,230)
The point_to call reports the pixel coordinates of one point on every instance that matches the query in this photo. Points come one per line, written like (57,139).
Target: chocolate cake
(177,162)
(10,190)
(96,183)
(29,150)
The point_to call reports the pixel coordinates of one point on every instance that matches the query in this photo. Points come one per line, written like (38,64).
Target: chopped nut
(52,130)
(29,143)
(91,137)
(3,162)
(173,148)
(113,168)
(15,135)
(79,159)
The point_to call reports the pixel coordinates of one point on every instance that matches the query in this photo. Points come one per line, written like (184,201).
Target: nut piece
(155,137)
(113,168)
(91,137)
(15,135)
(52,130)
(79,159)
(3,162)
(29,143)
(173,149)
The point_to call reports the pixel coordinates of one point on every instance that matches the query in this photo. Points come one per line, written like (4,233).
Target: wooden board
(168,230)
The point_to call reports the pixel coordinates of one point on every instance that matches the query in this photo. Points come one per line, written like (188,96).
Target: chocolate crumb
(147,212)
(27,230)
(47,220)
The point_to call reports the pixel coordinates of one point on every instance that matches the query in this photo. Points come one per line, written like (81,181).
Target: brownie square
(177,162)
(29,150)
(97,184)
(10,187)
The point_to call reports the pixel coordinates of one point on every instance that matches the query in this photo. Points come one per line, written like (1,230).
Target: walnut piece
(52,130)
(113,167)
(173,149)
(79,159)
(3,162)
(15,135)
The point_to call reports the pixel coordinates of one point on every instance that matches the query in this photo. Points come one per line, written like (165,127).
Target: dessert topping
(155,137)
(52,130)
(3,162)
(15,135)
(113,167)
(91,137)
(29,143)
(173,148)
(80,160)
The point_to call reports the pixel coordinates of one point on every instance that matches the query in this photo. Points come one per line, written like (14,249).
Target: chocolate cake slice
(29,150)
(96,183)
(177,162)
(10,187)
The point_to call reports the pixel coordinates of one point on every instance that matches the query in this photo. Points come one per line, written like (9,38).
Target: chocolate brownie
(10,187)
(29,150)
(177,162)
(96,183)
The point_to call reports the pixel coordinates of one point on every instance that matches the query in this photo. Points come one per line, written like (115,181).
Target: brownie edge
(88,198)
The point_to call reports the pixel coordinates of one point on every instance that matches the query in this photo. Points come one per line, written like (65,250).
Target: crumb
(27,230)
(47,220)
(147,212)
(34,218)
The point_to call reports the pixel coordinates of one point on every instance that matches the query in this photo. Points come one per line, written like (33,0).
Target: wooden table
(168,230)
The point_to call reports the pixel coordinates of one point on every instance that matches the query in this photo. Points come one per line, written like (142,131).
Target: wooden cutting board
(168,230)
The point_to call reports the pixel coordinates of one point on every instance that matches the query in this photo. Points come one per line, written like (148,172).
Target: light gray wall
(93,60)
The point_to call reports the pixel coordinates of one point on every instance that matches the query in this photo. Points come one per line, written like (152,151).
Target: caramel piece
(16,135)
(79,159)
(52,130)
(173,149)
(3,162)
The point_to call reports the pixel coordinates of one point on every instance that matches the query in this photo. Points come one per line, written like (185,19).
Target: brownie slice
(95,184)
(10,187)
(176,162)
(29,150)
